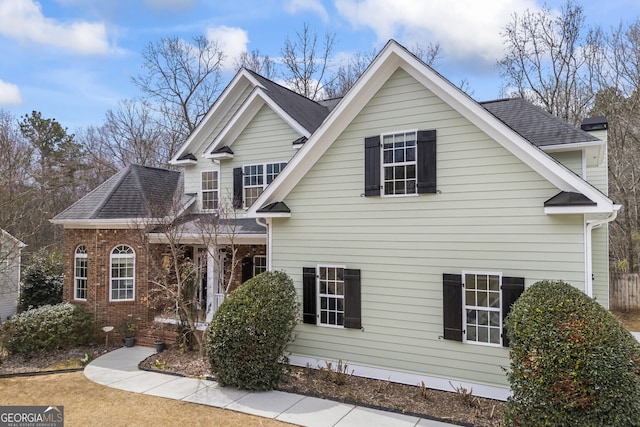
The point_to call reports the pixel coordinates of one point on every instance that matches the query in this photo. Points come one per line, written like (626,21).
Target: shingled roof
(535,124)
(133,192)
(308,113)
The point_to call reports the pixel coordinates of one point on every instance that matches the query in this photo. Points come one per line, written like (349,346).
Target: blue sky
(74,59)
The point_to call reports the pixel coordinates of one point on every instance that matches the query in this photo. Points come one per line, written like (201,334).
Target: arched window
(122,283)
(80,273)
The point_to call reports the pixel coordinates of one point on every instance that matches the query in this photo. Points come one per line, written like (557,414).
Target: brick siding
(99,244)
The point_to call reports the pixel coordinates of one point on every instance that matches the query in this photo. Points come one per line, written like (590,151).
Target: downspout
(590,226)
(265,224)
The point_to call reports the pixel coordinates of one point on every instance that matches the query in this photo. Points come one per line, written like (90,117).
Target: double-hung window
(80,273)
(475,305)
(252,180)
(209,190)
(482,307)
(400,163)
(122,283)
(331,296)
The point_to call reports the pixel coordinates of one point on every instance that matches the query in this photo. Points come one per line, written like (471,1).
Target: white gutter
(589,227)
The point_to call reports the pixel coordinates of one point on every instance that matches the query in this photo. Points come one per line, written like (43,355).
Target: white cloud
(295,6)
(169,5)
(23,20)
(466,29)
(231,40)
(9,94)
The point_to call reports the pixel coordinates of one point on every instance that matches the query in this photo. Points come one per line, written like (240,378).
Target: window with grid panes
(80,273)
(399,163)
(259,264)
(209,190)
(122,273)
(257,177)
(331,295)
(482,308)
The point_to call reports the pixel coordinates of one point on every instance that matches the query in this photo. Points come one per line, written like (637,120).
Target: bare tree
(306,63)
(183,79)
(132,134)
(618,73)
(547,61)
(16,192)
(176,275)
(346,75)
(258,63)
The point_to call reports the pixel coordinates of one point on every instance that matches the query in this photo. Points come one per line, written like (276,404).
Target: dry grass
(630,319)
(89,404)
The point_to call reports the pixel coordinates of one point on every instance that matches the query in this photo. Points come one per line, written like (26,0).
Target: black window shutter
(426,161)
(247,268)
(452,306)
(309,295)
(237,188)
(352,306)
(512,288)
(372,166)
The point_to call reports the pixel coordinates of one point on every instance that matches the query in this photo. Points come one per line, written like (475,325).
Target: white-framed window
(122,281)
(256,178)
(259,264)
(330,284)
(209,190)
(399,168)
(482,313)
(80,273)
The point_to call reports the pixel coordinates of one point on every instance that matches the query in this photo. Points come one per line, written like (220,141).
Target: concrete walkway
(119,369)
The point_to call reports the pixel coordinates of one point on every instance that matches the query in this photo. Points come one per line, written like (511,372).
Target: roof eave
(572,147)
(572,210)
(119,223)
(243,116)
(183,162)
(224,102)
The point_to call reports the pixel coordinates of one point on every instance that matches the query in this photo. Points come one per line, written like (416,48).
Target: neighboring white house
(10,251)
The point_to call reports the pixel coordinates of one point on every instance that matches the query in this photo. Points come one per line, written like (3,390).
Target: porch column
(212,282)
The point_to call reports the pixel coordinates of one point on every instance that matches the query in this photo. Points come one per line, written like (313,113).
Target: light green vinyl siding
(571,159)
(267,139)
(192,173)
(597,176)
(487,216)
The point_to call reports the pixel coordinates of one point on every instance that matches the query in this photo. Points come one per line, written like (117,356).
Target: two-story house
(409,215)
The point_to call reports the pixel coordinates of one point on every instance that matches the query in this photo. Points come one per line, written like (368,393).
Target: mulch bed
(332,383)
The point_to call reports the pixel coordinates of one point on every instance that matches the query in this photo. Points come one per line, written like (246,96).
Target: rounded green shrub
(49,327)
(250,331)
(572,362)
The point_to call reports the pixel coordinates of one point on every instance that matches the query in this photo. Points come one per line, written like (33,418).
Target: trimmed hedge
(572,362)
(47,328)
(249,333)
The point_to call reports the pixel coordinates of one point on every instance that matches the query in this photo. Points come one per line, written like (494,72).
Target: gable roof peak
(392,57)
